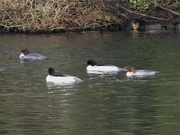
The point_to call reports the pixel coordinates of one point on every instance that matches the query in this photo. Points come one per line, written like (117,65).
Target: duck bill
(84,63)
(124,69)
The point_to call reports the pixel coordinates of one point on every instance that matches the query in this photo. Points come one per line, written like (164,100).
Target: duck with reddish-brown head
(26,55)
(131,71)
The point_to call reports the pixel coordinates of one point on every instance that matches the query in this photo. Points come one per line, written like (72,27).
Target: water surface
(102,104)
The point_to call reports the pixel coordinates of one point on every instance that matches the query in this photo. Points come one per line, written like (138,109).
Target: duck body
(132,72)
(101,69)
(141,73)
(26,55)
(61,79)
(32,56)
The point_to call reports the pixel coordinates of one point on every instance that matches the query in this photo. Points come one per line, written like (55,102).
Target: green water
(102,104)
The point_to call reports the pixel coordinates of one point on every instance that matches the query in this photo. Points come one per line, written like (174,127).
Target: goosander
(93,67)
(61,79)
(132,72)
(26,55)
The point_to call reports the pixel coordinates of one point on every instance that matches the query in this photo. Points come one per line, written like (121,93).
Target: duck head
(129,69)
(25,51)
(91,62)
(51,71)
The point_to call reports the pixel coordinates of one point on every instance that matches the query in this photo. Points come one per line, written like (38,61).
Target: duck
(61,79)
(26,55)
(93,67)
(131,71)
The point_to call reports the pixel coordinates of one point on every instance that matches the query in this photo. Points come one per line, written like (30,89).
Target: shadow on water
(101,104)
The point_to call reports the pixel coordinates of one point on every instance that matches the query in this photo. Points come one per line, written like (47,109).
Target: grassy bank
(72,15)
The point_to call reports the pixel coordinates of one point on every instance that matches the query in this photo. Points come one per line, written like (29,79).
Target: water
(102,104)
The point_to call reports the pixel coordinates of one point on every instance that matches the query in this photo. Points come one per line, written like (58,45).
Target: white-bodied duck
(61,79)
(131,71)
(93,67)
(26,55)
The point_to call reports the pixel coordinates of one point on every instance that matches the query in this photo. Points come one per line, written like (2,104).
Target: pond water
(102,104)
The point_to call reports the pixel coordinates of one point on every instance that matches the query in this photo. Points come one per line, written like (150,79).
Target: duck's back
(142,73)
(103,69)
(32,56)
(65,79)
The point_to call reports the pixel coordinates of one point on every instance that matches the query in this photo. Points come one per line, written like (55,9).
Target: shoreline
(48,16)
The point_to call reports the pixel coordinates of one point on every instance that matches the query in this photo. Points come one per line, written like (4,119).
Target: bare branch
(166,9)
(133,12)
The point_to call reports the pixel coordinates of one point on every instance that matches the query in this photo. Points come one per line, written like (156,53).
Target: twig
(142,14)
(166,9)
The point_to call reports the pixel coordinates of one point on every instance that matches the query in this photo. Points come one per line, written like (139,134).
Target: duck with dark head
(93,67)
(61,79)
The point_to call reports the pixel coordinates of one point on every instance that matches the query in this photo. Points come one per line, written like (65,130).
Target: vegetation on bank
(72,15)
